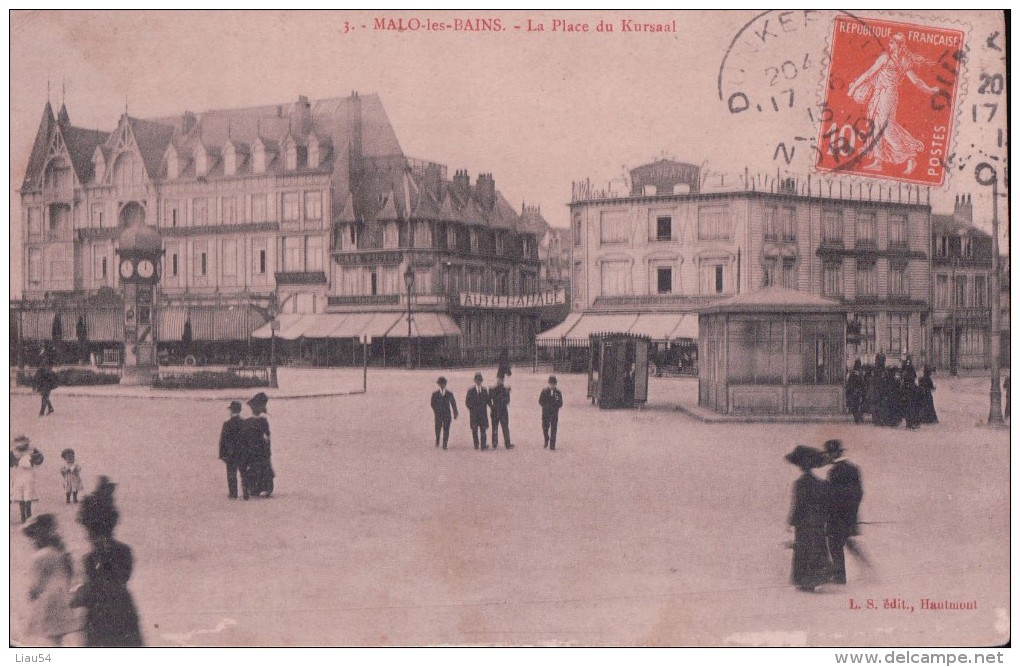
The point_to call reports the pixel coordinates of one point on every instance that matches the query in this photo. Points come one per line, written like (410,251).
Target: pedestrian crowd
(824,515)
(891,395)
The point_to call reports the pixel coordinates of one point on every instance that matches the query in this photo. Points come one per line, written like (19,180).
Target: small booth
(618,370)
(772,351)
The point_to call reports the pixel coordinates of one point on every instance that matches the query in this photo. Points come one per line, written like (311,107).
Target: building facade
(646,260)
(961,267)
(307,209)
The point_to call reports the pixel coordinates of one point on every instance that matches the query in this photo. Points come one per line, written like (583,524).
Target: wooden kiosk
(773,351)
(618,370)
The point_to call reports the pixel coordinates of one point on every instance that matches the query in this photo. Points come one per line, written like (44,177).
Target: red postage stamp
(890,100)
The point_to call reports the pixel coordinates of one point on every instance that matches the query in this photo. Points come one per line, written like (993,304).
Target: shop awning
(596,324)
(666,326)
(425,325)
(290,326)
(325,325)
(104,326)
(558,333)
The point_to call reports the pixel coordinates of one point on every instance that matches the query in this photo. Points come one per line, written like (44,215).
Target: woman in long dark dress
(111,618)
(812,565)
(925,387)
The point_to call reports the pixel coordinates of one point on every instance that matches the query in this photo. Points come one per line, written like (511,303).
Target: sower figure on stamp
(499,396)
(551,401)
(477,402)
(444,405)
(845,494)
(231,446)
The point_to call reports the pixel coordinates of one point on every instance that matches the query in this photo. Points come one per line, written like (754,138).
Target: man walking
(845,494)
(499,396)
(551,401)
(45,382)
(231,446)
(443,405)
(478,405)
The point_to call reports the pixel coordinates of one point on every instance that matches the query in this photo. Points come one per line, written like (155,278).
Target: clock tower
(139,254)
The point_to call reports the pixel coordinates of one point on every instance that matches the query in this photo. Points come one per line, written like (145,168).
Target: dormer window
(201,162)
(291,156)
(229,160)
(314,153)
(258,158)
(173,165)
(98,165)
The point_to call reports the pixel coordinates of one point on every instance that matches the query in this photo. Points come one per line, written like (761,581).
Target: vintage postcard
(509,328)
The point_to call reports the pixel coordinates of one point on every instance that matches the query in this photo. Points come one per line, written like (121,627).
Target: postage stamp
(890,100)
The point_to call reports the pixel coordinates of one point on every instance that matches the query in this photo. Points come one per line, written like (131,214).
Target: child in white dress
(71,472)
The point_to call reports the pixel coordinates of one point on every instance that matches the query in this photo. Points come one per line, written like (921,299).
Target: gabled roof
(152,139)
(81,146)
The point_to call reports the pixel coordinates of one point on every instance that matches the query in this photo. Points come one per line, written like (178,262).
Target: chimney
(485,192)
(462,182)
(963,210)
(301,117)
(188,121)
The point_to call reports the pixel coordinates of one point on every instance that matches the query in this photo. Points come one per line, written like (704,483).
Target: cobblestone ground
(646,527)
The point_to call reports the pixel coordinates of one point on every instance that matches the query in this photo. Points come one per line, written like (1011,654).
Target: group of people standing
(110,617)
(824,515)
(246,449)
(891,395)
(494,401)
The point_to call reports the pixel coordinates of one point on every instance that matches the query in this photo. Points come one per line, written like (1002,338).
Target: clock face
(145,268)
(127,269)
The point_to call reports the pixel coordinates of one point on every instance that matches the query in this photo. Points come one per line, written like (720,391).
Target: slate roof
(950,225)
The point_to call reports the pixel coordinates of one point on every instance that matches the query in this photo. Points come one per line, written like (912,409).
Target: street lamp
(986,175)
(409,282)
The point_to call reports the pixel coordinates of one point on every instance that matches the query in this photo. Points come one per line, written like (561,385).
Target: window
(258,256)
(664,228)
(293,251)
(374,283)
(832,279)
(314,253)
(228,211)
(664,280)
(789,220)
(899,333)
(258,208)
(769,267)
(789,277)
(423,237)
(290,206)
(262,261)
(500,244)
(771,223)
(960,292)
(229,258)
(577,230)
(391,235)
(259,158)
(201,162)
(832,227)
(201,212)
(171,213)
(451,237)
(712,277)
(201,266)
(866,229)
(34,266)
(980,292)
(313,205)
(613,228)
(898,279)
(103,270)
(291,156)
(96,215)
(474,240)
(897,230)
(941,290)
(972,341)
(967,246)
(713,223)
(174,267)
(614,278)
(868,330)
(867,278)
(942,246)
(34,221)
(756,351)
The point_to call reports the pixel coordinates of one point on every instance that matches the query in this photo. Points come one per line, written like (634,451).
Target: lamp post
(409,282)
(985,174)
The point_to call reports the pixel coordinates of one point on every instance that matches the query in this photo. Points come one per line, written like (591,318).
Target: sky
(536,108)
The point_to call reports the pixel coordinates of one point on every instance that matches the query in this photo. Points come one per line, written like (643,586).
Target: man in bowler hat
(477,402)
(443,405)
(231,446)
(499,397)
(845,494)
(551,401)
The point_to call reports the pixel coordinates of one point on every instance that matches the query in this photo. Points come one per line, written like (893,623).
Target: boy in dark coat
(499,397)
(477,402)
(231,446)
(551,401)
(443,405)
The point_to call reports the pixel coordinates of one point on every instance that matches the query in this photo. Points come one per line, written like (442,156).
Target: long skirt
(812,565)
(260,476)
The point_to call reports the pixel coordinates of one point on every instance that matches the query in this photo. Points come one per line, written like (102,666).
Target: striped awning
(558,333)
(666,326)
(37,324)
(105,326)
(170,323)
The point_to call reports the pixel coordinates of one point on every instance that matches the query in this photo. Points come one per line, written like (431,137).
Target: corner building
(308,209)
(645,257)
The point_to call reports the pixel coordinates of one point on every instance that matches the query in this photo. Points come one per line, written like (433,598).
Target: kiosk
(618,370)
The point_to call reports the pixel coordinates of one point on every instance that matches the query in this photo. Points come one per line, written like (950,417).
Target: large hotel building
(308,209)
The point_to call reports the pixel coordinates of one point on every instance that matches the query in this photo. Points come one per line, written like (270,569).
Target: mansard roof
(951,225)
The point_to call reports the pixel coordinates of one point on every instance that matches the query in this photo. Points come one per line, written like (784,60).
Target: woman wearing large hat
(812,565)
(259,450)
(50,616)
